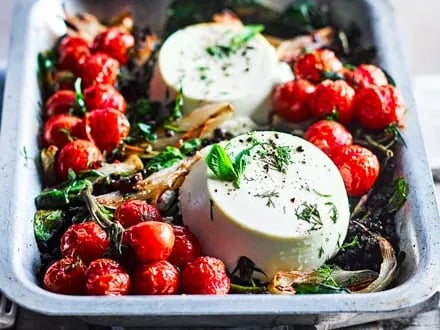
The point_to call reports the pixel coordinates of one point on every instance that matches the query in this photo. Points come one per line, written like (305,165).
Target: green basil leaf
(191,146)
(47,223)
(168,157)
(221,164)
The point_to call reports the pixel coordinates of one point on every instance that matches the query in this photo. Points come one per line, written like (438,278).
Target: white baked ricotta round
(199,61)
(290,211)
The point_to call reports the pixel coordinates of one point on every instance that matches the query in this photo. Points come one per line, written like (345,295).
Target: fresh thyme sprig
(275,156)
(309,213)
(270,195)
(237,41)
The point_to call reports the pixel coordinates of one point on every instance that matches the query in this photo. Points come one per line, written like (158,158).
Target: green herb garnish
(226,169)
(189,147)
(277,157)
(399,195)
(269,195)
(333,211)
(80,104)
(354,243)
(168,157)
(309,213)
(178,106)
(237,41)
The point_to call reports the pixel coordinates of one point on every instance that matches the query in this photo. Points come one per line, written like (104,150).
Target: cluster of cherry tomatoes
(326,90)
(86,122)
(165,259)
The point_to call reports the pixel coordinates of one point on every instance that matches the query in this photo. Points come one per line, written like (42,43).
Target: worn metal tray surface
(36,25)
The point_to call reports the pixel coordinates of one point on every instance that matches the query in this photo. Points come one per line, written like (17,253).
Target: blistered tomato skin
(99,68)
(87,241)
(359,168)
(378,107)
(78,155)
(62,101)
(205,275)
(61,129)
(151,241)
(108,127)
(291,100)
(102,96)
(366,74)
(131,213)
(72,58)
(186,247)
(115,43)
(160,277)
(311,66)
(106,277)
(333,96)
(65,276)
(329,136)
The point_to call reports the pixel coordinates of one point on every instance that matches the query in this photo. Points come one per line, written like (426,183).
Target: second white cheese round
(245,77)
(286,215)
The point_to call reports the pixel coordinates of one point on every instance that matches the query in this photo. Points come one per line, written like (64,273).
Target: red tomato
(66,276)
(329,136)
(131,213)
(359,168)
(366,74)
(205,275)
(151,241)
(160,277)
(72,58)
(291,100)
(108,127)
(311,66)
(104,96)
(78,155)
(115,43)
(377,107)
(62,101)
(106,277)
(186,247)
(99,68)
(87,241)
(61,129)
(71,41)
(333,96)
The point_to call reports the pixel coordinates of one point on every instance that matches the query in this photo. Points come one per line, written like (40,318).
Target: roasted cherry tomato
(186,247)
(102,96)
(115,43)
(160,277)
(333,96)
(151,241)
(71,41)
(106,277)
(329,136)
(359,168)
(131,213)
(66,276)
(205,275)
(99,68)
(378,107)
(108,127)
(72,59)
(87,241)
(291,100)
(62,101)
(366,74)
(311,66)
(61,129)
(78,155)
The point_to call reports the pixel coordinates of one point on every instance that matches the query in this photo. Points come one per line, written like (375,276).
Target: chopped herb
(354,243)
(331,75)
(202,71)
(326,272)
(309,213)
(394,129)
(178,105)
(80,104)
(236,42)
(321,252)
(189,147)
(173,128)
(226,169)
(24,153)
(269,195)
(399,195)
(277,157)
(333,211)
(321,194)
(168,157)
(141,115)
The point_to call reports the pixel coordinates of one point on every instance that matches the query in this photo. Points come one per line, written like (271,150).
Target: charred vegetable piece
(47,223)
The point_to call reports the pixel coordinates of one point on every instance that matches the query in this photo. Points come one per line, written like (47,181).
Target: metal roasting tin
(35,27)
